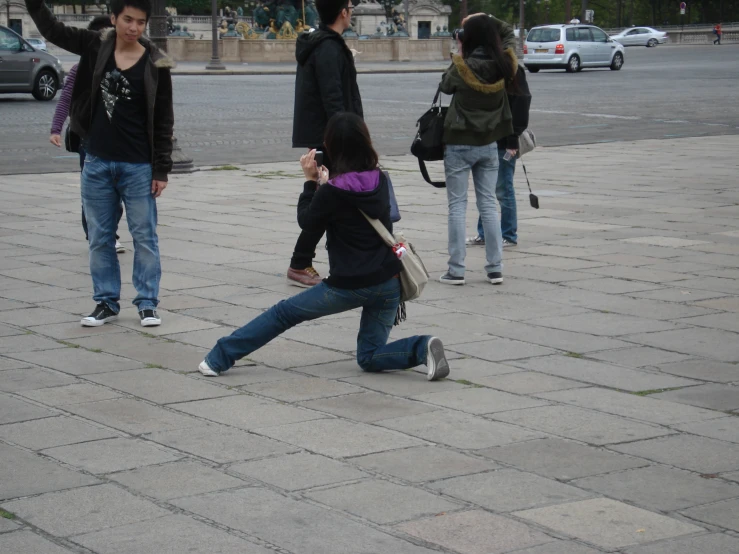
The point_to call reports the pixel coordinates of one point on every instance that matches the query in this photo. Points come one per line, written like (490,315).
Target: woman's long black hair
(348,145)
(481,32)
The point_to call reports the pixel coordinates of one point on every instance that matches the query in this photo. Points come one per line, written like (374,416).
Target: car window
(598,35)
(9,41)
(634,32)
(582,34)
(644,31)
(544,34)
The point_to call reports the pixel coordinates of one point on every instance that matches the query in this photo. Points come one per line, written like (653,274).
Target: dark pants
(83,155)
(305,248)
(718,39)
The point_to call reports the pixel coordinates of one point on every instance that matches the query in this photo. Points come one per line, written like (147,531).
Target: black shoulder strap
(425,173)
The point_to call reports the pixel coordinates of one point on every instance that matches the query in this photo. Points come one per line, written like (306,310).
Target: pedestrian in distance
(325,84)
(717,31)
(363,269)
(61,113)
(478,117)
(519,100)
(121,108)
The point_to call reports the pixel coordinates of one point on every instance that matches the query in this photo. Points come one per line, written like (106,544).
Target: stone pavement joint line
(592,406)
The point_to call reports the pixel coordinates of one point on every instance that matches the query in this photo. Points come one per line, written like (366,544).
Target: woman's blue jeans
(482,161)
(379,305)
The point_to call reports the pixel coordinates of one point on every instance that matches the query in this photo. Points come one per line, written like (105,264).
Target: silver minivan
(571,47)
(25,69)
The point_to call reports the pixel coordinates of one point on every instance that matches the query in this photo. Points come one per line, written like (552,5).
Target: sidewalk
(592,404)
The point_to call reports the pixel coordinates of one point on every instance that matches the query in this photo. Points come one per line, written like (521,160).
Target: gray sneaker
(509,244)
(436,360)
(475,241)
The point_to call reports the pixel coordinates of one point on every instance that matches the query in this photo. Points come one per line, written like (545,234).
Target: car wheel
(532,69)
(618,61)
(46,85)
(573,66)
(652,43)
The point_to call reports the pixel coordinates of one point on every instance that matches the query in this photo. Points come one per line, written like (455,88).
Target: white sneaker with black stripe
(150,318)
(100,316)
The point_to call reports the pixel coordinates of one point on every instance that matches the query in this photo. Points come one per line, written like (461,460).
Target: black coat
(95,49)
(325,84)
(357,256)
(519,99)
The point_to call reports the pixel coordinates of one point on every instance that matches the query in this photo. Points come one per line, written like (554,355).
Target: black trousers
(305,247)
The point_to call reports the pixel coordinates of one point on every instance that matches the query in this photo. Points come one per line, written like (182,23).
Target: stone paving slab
(475,532)
(660,489)
(699,454)
(49,432)
(607,523)
(29,543)
(603,367)
(83,510)
(721,514)
(643,408)
(167,535)
(383,502)
(703,543)
(312,530)
(109,455)
(560,459)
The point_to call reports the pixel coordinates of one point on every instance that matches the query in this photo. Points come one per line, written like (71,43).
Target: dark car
(25,69)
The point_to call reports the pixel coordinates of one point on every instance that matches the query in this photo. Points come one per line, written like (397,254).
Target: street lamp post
(521,22)
(215,60)
(158,25)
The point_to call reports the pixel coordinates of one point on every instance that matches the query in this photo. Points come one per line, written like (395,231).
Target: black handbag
(428,146)
(71,140)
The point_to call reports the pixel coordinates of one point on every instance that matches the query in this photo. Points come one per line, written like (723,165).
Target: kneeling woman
(363,270)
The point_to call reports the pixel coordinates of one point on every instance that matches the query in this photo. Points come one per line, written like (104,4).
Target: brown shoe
(305,278)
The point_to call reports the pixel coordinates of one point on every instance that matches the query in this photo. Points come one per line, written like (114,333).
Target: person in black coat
(364,270)
(325,84)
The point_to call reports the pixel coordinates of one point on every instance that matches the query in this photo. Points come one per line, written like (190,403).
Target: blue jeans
(459,160)
(104,185)
(379,306)
(507,198)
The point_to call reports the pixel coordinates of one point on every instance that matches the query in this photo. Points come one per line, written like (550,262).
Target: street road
(664,92)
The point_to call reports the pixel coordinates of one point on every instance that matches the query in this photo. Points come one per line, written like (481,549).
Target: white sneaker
(205,369)
(509,244)
(119,248)
(436,362)
(475,241)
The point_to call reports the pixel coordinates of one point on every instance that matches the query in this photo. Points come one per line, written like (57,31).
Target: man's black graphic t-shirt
(118,130)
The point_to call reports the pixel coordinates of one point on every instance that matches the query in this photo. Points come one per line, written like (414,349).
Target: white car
(572,48)
(640,36)
(37,43)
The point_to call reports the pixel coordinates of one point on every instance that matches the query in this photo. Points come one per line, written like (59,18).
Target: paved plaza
(591,407)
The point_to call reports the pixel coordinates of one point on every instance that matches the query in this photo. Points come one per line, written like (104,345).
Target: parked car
(641,36)
(37,43)
(25,69)
(571,47)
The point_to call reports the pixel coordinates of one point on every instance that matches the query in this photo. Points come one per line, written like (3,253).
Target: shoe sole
(439,367)
(151,323)
(120,250)
(498,281)
(475,244)
(459,282)
(205,370)
(298,284)
(97,322)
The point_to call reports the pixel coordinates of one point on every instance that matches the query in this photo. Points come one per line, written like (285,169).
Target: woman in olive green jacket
(479,115)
